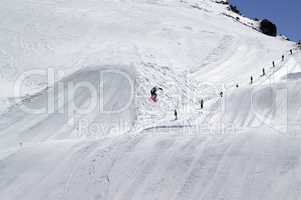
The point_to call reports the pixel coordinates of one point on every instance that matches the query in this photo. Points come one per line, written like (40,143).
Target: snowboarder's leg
(154,98)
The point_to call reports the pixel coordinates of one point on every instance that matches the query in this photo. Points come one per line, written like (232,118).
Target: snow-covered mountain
(76,119)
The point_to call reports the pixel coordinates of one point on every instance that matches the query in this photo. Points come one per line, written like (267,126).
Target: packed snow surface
(76,120)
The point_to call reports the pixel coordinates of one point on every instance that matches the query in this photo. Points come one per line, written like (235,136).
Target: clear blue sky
(286,14)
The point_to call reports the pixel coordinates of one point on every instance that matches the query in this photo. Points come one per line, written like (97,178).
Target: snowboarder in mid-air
(154,95)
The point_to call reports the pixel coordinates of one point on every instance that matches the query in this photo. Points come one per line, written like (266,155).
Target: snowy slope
(252,165)
(242,146)
(54,113)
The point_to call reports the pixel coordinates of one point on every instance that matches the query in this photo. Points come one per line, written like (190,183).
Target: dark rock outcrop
(269,28)
(233,8)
